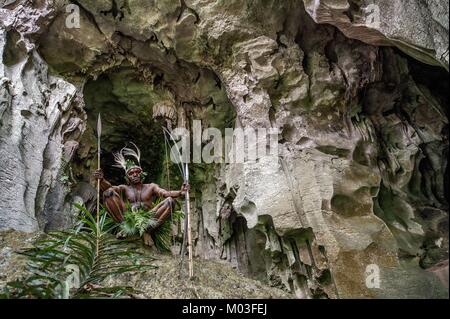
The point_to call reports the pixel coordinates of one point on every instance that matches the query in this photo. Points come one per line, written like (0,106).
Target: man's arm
(104,184)
(165,193)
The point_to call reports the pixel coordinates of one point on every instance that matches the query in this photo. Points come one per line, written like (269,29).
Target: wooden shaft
(188,211)
(191,266)
(98,199)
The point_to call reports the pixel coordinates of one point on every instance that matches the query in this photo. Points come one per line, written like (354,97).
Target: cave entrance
(126,97)
(125,103)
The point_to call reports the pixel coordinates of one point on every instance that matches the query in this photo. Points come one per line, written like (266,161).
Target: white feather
(120,160)
(136,154)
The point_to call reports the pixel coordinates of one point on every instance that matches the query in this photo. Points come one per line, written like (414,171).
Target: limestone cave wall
(361,177)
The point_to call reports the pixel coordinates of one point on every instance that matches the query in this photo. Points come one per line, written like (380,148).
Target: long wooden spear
(99,134)
(188,213)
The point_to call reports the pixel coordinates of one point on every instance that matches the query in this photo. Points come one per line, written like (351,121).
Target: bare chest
(139,195)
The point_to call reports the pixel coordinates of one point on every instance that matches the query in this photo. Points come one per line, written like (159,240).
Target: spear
(184,170)
(188,213)
(99,134)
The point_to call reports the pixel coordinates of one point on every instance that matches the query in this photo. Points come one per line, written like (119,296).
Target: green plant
(64,179)
(52,260)
(137,221)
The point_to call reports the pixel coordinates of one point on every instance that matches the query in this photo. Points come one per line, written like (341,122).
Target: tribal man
(138,194)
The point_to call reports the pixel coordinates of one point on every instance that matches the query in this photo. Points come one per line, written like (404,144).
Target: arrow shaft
(184,170)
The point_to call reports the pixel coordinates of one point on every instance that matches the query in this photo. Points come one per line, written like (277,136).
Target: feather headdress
(128,164)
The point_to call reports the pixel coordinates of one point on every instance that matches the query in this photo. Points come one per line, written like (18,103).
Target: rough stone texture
(361,174)
(13,265)
(35,112)
(419,28)
(214,279)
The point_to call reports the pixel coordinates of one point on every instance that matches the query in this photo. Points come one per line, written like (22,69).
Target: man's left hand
(185,188)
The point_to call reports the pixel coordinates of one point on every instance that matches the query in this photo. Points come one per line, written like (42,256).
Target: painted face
(134,175)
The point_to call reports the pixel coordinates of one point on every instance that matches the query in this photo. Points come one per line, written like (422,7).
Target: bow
(184,170)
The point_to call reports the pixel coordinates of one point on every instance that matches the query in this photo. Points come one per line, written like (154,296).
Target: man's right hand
(98,174)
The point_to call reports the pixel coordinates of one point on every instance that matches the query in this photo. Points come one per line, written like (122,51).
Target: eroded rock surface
(419,28)
(37,116)
(361,174)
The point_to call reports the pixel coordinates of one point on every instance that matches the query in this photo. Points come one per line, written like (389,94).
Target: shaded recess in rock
(125,104)
(418,182)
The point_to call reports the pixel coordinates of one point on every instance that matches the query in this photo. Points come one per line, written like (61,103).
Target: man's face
(134,175)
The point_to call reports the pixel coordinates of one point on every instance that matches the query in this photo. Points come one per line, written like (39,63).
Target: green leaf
(48,258)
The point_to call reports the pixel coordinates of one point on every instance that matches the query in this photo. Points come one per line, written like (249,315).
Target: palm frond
(137,221)
(52,260)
